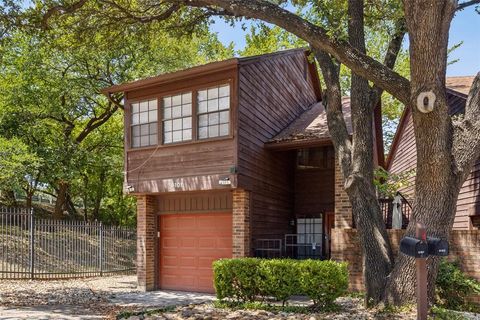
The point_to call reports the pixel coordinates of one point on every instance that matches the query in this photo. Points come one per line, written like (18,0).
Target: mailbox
(414,247)
(437,247)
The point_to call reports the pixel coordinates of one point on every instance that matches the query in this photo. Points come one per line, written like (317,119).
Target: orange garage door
(189,245)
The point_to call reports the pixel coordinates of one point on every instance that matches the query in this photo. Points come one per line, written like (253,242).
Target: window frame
(160,119)
(131,125)
(218,111)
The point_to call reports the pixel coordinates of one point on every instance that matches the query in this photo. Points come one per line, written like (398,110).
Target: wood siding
(404,158)
(185,202)
(315,188)
(273,92)
(184,166)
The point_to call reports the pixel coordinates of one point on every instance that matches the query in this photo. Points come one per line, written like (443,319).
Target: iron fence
(44,248)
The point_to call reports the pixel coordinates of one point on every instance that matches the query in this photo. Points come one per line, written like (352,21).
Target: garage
(189,243)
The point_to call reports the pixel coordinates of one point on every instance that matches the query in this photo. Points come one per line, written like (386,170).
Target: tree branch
(466,139)
(333,107)
(391,56)
(144,19)
(61,9)
(96,122)
(318,38)
(464,5)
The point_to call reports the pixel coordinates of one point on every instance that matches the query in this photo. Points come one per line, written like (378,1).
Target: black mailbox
(437,247)
(414,247)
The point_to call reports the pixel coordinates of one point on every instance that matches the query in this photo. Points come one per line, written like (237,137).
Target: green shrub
(246,279)
(453,287)
(279,278)
(238,279)
(323,281)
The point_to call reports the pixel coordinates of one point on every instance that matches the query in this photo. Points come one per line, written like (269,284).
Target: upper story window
(177,118)
(194,115)
(144,123)
(214,112)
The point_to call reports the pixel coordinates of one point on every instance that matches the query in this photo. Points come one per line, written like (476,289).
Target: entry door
(189,243)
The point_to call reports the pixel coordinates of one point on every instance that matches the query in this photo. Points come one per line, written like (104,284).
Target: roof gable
(214,67)
(457,93)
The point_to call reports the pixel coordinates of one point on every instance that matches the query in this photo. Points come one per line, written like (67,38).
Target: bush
(237,279)
(279,278)
(453,287)
(323,281)
(247,279)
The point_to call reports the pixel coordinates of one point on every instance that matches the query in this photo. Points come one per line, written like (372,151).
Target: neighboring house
(403,157)
(231,159)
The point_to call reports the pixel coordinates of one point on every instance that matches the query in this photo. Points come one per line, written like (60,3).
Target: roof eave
(173,76)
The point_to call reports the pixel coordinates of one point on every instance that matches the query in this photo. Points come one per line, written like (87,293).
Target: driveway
(89,298)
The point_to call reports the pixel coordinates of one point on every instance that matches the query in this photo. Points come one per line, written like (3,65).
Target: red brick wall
(464,246)
(343,208)
(241,224)
(146,229)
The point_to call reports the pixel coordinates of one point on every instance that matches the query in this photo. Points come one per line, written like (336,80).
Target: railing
(386,207)
(268,248)
(44,248)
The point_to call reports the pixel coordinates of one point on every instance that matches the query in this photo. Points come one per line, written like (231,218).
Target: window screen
(177,118)
(214,112)
(144,123)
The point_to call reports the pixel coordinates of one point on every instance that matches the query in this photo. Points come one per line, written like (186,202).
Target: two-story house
(230,159)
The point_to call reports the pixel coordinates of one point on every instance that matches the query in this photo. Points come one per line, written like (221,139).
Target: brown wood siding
(404,158)
(273,92)
(189,167)
(315,189)
(184,166)
(181,202)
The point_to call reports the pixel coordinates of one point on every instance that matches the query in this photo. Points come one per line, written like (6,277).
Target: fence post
(101,250)
(32,244)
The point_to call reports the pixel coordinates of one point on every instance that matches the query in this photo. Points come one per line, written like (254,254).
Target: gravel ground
(351,308)
(105,298)
(85,291)
(85,298)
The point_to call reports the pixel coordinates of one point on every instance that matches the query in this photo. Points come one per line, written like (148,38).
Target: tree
(51,101)
(446,147)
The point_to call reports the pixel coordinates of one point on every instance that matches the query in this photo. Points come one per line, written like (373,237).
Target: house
(231,159)
(402,157)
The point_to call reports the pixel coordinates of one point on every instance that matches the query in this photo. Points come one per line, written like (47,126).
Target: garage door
(189,245)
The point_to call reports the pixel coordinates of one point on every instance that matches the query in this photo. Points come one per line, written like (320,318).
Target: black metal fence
(44,248)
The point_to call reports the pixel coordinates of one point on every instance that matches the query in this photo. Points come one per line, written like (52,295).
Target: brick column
(241,223)
(343,208)
(146,229)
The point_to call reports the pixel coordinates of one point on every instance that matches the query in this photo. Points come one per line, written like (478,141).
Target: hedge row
(249,279)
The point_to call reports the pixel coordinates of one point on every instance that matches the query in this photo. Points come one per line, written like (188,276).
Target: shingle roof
(312,124)
(460,84)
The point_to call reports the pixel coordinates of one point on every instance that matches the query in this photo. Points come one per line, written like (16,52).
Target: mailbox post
(420,248)
(421,265)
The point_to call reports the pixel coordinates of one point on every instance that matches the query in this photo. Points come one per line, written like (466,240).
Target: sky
(465,27)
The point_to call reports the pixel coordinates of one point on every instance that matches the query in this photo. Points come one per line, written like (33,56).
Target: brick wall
(464,246)
(241,224)
(343,208)
(146,229)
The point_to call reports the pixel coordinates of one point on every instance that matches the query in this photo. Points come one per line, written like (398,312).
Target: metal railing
(386,207)
(44,248)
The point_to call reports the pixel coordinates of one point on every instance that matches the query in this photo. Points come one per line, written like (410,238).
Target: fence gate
(45,248)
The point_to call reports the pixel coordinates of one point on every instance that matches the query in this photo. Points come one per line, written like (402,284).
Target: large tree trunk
(436,183)
(61,200)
